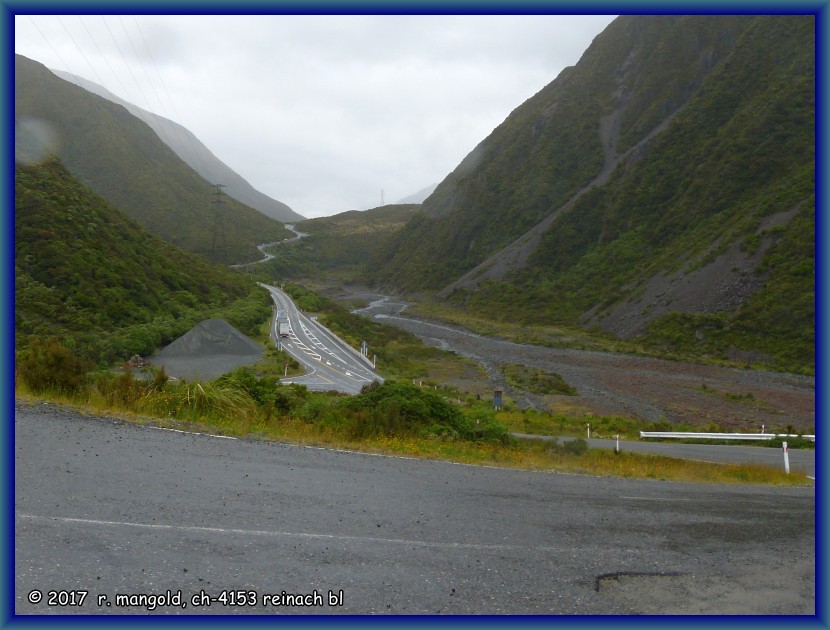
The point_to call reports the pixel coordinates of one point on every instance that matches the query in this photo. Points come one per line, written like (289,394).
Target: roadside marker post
(618,442)
(497,399)
(786,458)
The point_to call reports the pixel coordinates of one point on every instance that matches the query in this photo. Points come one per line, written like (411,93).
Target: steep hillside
(190,149)
(123,160)
(661,188)
(91,276)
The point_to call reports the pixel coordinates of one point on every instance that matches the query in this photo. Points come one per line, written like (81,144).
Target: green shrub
(267,391)
(402,409)
(575,447)
(122,390)
(486,427)
(48,366)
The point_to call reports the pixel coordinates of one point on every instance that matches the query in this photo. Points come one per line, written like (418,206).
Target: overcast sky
(324,113)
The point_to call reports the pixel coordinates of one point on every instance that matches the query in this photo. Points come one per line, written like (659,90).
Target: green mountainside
(344,245)
(662,188)
(123,160)
(92,277)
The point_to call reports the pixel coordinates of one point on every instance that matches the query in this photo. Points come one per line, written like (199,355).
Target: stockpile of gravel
(208,350)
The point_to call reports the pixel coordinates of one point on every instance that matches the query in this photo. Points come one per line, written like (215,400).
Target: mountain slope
(122,159)
(662,188)
(342,246)
(558,142)
(188,147)
(92,276)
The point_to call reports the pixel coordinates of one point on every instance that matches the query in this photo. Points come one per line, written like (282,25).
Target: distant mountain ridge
(190,149)
(419,196)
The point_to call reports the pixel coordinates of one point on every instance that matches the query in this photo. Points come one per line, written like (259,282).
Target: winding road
(266,256)
(331,363)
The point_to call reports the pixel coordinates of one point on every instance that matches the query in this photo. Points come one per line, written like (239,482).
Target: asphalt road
(331,363)
(265,255)
(108,508)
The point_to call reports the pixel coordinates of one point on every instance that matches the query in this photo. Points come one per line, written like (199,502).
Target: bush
(122,390)
(402,409)
(267,391)
(48,366)
(486,427)
(575,447)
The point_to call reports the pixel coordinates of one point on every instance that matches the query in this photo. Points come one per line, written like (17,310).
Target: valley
(631,249)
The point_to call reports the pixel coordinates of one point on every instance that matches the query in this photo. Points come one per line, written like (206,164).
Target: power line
(106,60)
(141,65)
(80,50)
(46,39)
(218,222)
(124,59)
(185,138)
(178,127)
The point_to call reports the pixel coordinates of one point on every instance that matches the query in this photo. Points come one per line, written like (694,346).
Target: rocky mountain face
(190,149)
(662,188)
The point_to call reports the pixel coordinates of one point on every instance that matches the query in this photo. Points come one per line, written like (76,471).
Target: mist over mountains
(190,149)
(661,190)
(122,159)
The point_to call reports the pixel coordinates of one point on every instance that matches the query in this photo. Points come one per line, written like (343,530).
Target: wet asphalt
(117,510)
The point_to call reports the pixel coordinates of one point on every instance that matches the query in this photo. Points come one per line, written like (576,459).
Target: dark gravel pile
(208,350)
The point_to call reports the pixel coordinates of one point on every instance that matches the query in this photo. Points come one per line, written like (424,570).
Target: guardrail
(721,436)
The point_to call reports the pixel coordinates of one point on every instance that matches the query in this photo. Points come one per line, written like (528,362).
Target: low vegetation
(391,418)
(536,381)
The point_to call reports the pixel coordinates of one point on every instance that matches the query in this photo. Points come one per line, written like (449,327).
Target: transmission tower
(218,223)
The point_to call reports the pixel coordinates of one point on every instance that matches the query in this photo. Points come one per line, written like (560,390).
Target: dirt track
(625,385)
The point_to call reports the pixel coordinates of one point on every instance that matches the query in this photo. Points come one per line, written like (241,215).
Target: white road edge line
(224,437)
(259,532)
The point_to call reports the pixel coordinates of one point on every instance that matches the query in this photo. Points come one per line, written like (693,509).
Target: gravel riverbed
(624,385)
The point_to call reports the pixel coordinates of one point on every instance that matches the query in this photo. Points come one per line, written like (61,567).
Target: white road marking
(323,342)
(285,534)
(224,437)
